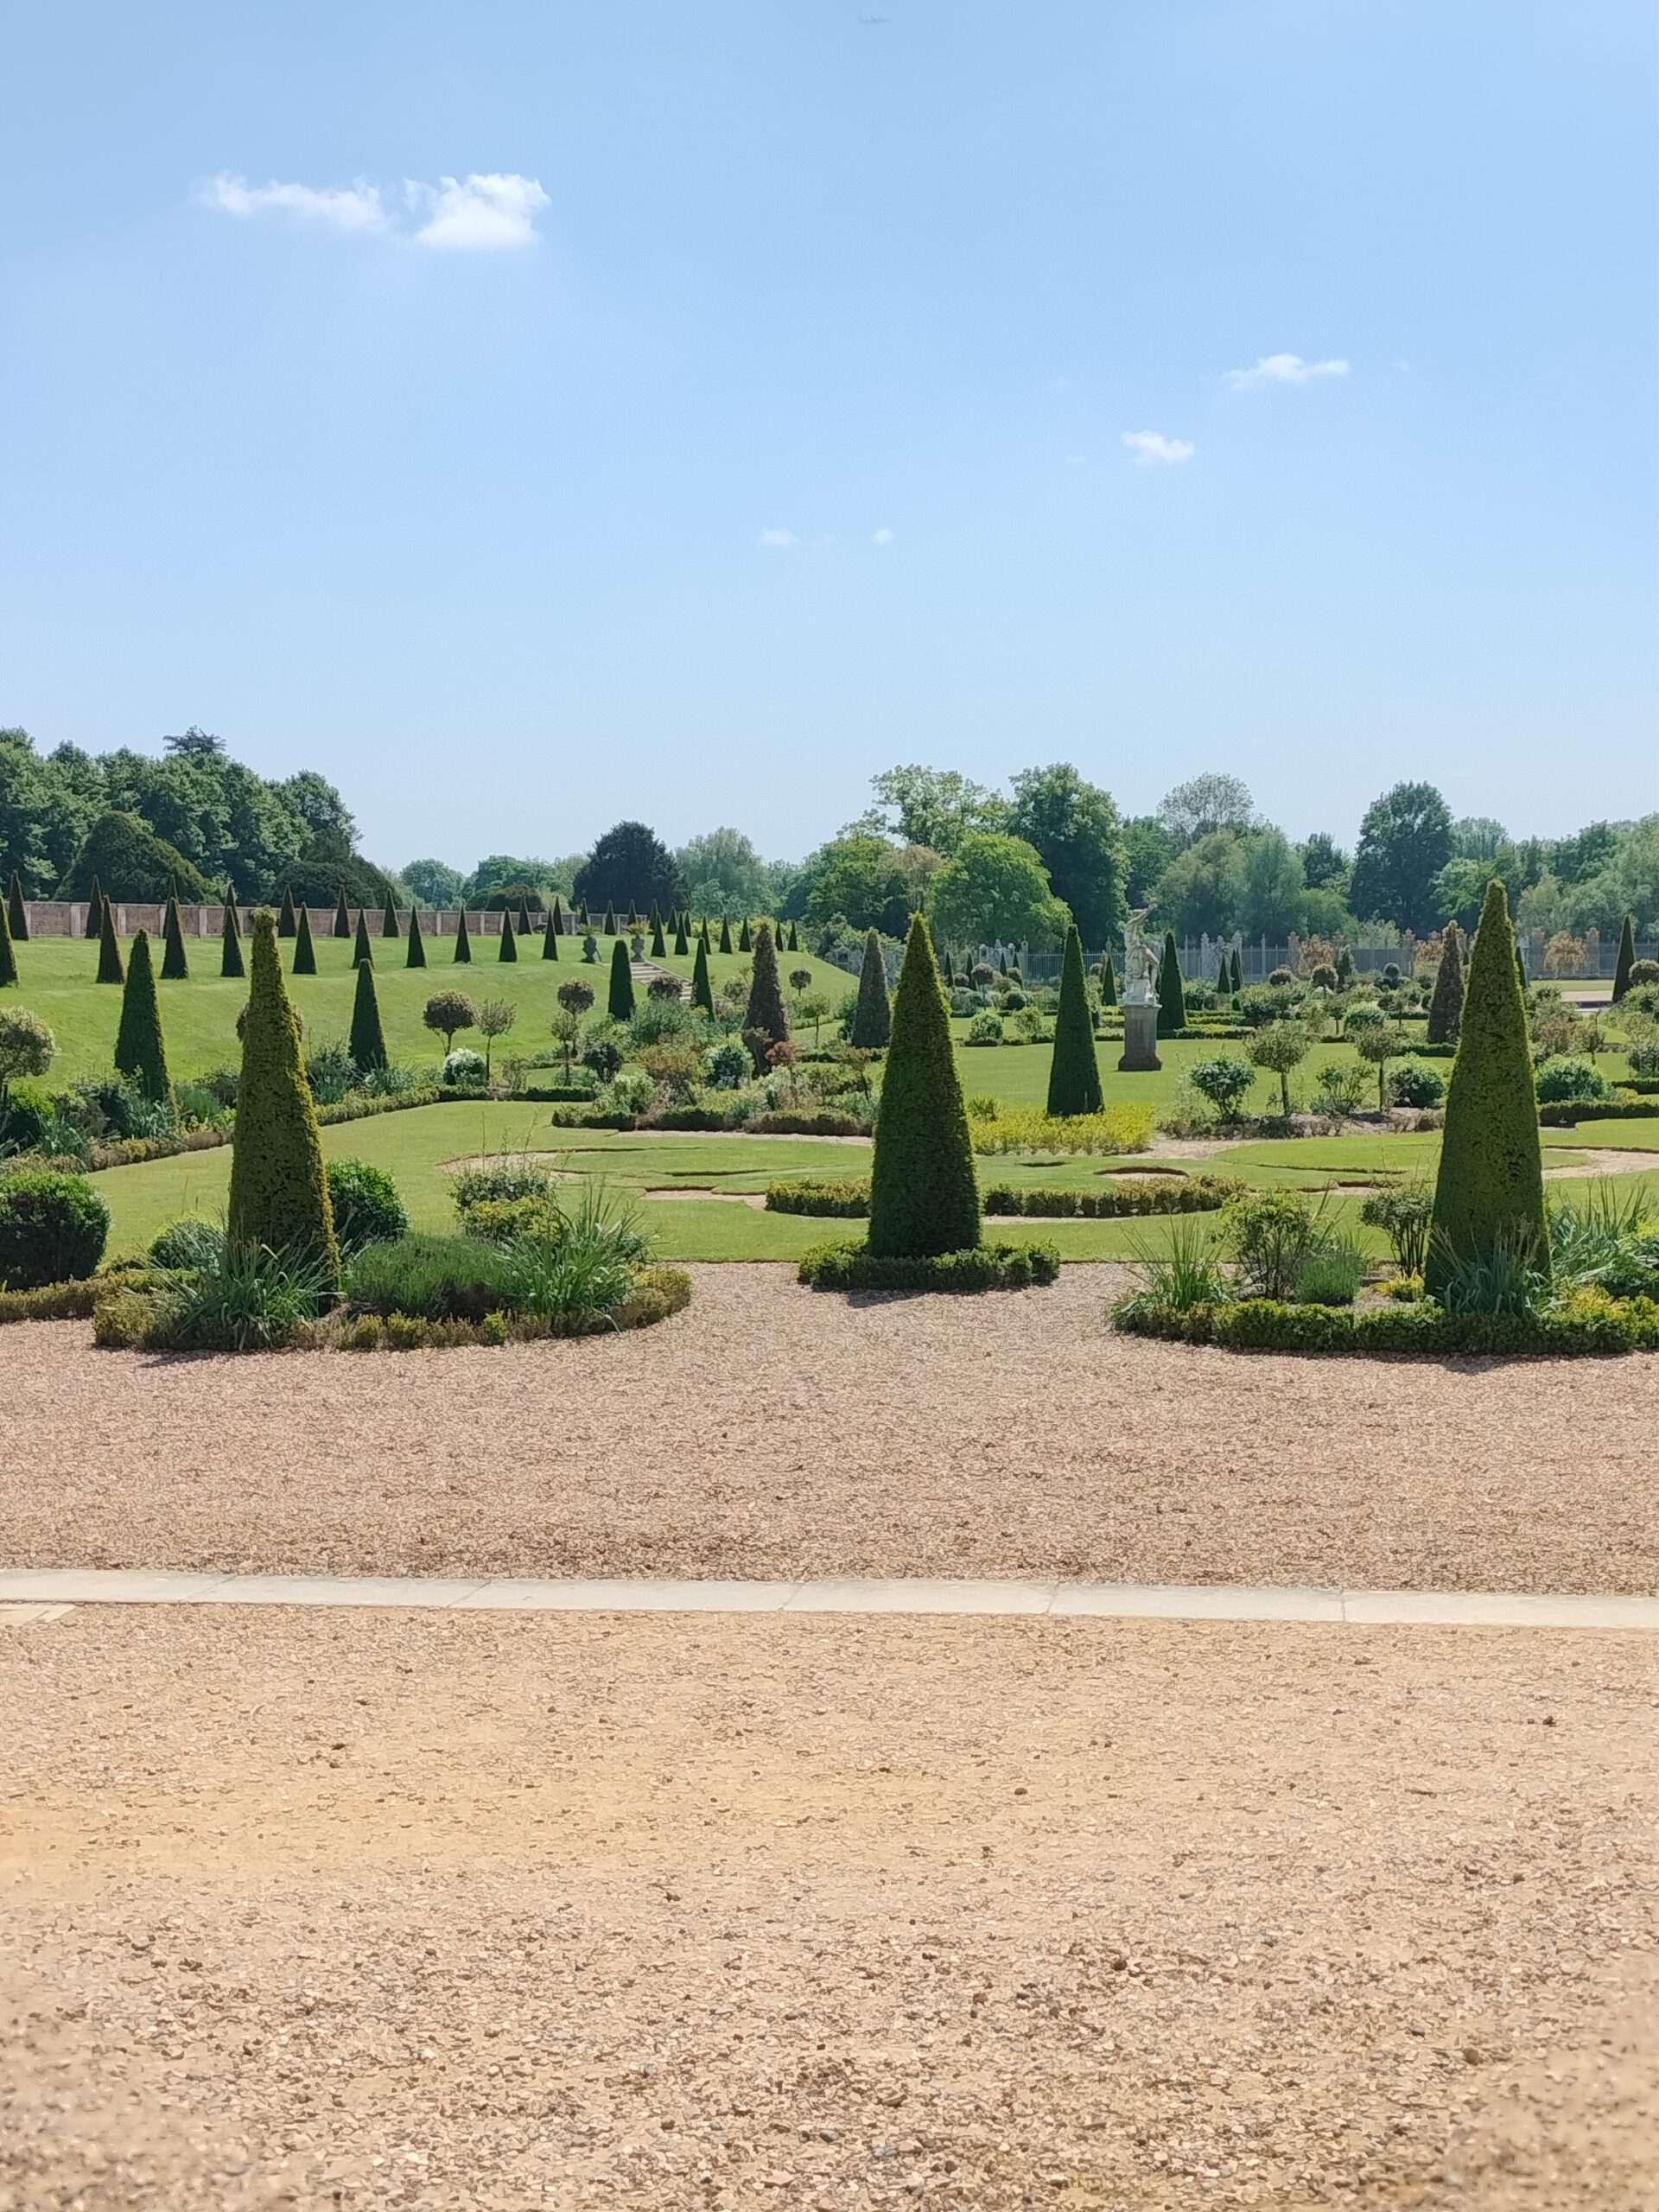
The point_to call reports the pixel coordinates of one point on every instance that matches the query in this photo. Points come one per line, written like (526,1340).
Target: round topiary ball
(53,1229)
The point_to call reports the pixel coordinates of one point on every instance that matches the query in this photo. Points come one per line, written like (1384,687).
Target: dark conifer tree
(279,1194)
(725,934)
(508,948)
(924,1192)
(17,910)
(700,993)
(8,957)
(95,910)
(1074,1071)
(659,950)
(766,1022)
(109,967)
(140,1054)
(745,941)
(231,961)
(305,949)
(389,918)
(621,995)
(552,933)
(416,954)
(1172,997)
(175,966)
(872,1010)
(342,915)
(362,950)
(1621,967)
(682,941)
(367,1044)
(286,922)
(463,942)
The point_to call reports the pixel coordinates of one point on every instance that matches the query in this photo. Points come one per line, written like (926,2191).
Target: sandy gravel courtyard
(440,1910)
(769,1430)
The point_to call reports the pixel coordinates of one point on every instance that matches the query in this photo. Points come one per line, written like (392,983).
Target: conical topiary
(287,923)
(1074,1073)
(745,941)
(279,1194)
(463,942)
(305,951)
(175,966)
(924,1192)
(525,925)
(416,954)
(556,918)
(508,948)
(140,1054)
(1108,980)
(701,994)
(766,1022)
(1620,966)
(551,934)
(1489,1191)
(794,938)
(368,1042)
(389,918)
(1446,1007)
(17,910)
(621,998)
(659,950)
(342,915)
(94,911)
(682,939)
(8,957)
(725,934)
(110,969)
(873,1009)
(1172,999)
(610,921)
(362,950)
(703,936)
(231,961)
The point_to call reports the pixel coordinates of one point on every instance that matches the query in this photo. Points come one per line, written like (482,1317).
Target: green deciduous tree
(924,1191)
(996,886)
(140,1053)
(1076,831)
(279,1194)
(1405,841)
(1074,1071)
(629,868)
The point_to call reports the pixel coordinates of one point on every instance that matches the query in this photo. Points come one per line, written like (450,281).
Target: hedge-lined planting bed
(845,1200)
(1129,1194)
(981,1266)
(1585,1321)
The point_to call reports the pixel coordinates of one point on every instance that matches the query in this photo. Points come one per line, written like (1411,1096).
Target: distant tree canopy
(996,886)
(858,878)
(1207,804)
(125,858)
(1404,842)
(433,883)
(724,875)
(1077,832)
(632,870)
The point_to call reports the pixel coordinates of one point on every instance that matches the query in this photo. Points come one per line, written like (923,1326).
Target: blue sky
(761,419)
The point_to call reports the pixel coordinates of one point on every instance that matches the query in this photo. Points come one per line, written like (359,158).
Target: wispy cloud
(1149,447)
(778,541)
(483,214)
(480,214)
(882,537)
(341,207)
(1284,368)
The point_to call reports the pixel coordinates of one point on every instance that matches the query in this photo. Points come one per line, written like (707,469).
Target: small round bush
(1562,1076)
(981,975)
(53,1229)
(984,1029)
(27,1122)
(188,1243)
(1282,978)
(671,988)
(1324,978)
(1225,1082)
(604,1058)
(366,1207)
(463,1068)
(1644,972)
(1391,973)
(1013,1001)
(1416,1083)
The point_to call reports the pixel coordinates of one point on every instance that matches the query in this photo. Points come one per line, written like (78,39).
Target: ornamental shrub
(140,1053)
(365,1204)
(1171,1000)
(1562,1076)
(621,1001)
(53,1229)
(1280,1047)
(17,910)
(924,1192)
(1108,980)
(463,942)
(279,1198)
(1445,1008)
(508,948)
(175,967)
(286,923)
(464,1070)
(110,968)
(446,1012)
(551,931)
(367,1044)
(765,1023)
(1415,1083)
(231,961)
(8,957)
(1491,1187)
(975,1268)
(1225,1082)
(342,915)
(872,1010)
(984,1029)
(362,950)
(1622,966)
(725,934)
(702,995)
(1074,1071)
(305,951)
(415,957)
(389,917)
(745,941)
(1272,1235)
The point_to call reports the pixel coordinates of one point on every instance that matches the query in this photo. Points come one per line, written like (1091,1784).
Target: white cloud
(485,211)
(779,540)
(1284,368)
(1149,445)
(343,208)
(882,537)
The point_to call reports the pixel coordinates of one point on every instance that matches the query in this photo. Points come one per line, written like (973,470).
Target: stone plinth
(1139,1038)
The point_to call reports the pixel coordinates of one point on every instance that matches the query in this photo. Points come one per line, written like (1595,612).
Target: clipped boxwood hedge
(1585,1321)
(846,1200)
(1567,1113)
(980,1267)
(1130,1194)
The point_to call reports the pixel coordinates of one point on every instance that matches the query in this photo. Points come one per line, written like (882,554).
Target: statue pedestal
(1139,1038)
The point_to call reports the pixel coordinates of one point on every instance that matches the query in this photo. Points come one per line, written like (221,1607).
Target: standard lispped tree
(1074,1073)
(342,915)
(1446,1007)
(621,998)
(110,969)
(766,1022)
(279,1195)
(725,934)
(1489,1191)
(175,966)
(140,1054)
(1172,997)
(873,1009)
(924,1192)
(17,910)
(8,957)
(305,951)
(463,942)
(508,948)
(287,923)
(362,950)
(416,954)
(231,961)
(368,1042)
(702,995)
(1621,967)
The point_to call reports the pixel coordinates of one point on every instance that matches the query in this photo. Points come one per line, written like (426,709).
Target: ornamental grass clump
(1074,1071)
(279,1196)
(924,1191)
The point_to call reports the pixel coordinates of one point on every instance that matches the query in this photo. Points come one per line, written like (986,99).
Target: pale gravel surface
(775,1432)
(418,1910)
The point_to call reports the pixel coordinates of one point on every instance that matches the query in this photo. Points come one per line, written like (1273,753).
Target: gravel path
(774,1432)
(431,1911)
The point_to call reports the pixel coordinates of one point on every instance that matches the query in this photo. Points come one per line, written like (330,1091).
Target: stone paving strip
(28,1594)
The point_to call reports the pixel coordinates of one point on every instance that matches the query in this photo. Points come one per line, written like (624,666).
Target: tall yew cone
(305,949)
(1172,997)
(231,961)
(1445,1006)
(1621,967)
(140,1053)
(342,915)
(725,934)
(110,969)
(1108,980)
(8,957)
(368,1042)
(873,1009)
(924,1192)
(794,938)
(766,1022)
(463,943)
(1074,1071)
(287,926)
(94,911)
(1491,1187)
(175,966)
(17,910)
(508,948)
(416,954)
(658,948)
(620,1002)
(700,993)
(389,918)
(279,1195)
(553,930)
(682,942)
(745,940)
(362,950)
